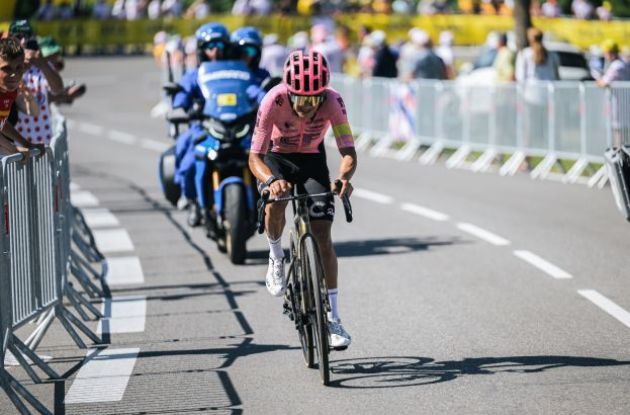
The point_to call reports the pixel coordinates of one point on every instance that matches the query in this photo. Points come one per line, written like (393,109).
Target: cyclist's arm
(183,98)
(345,143)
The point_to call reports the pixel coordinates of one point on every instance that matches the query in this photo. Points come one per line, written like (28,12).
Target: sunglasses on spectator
(213,44)
(306,100)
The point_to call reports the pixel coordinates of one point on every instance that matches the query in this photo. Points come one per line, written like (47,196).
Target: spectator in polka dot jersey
(40,79)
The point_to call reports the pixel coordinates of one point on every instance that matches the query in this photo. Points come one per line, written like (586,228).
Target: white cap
(270,39)
(419,36)
(377,38)
(446,38)
(299,41)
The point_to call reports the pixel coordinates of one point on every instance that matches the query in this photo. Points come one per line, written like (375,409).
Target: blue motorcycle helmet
(248,43)
(212,36)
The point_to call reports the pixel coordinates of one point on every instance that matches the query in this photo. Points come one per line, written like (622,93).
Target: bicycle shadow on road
(407,371)
(371,247)
(391,246)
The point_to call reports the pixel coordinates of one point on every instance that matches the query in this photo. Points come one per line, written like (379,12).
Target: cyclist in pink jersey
(287,149)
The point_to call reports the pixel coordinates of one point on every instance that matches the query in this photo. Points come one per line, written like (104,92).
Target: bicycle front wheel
(314,274)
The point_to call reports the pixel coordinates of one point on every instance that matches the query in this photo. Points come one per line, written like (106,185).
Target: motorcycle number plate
(226,100)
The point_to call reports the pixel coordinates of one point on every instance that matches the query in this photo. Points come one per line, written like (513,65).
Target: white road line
(89,128)
(83,199)
(100,218)
(373,196)
(113,240)
(124,271)
(483,234)
(607,305)
(122,137)
(154,145)
(123,315)
(423,211)
(103,378)
(542,264)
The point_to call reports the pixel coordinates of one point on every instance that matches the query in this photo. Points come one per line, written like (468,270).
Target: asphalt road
(464,293)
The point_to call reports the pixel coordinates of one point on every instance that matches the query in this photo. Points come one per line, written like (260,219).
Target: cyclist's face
(11,72)
(249,54)
(306,106)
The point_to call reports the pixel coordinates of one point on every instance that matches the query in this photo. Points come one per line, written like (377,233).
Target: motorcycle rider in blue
(246,45)
(212,45)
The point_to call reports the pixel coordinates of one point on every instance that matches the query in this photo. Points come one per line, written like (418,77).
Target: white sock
(275,248)
(333,314)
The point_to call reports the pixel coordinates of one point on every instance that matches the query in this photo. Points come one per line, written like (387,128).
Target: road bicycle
(306,296)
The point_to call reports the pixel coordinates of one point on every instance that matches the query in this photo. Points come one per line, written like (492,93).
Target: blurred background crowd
(47,10)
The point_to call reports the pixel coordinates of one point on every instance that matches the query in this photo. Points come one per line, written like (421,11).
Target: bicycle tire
(319,322)
(300,309)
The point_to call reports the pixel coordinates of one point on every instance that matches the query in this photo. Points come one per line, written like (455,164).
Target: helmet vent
(307,83)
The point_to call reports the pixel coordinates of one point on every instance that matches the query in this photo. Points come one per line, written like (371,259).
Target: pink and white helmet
(306,73)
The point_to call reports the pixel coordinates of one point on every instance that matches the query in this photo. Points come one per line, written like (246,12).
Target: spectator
(199,9)
(133,9)
(46,11)
(596,61)
(401,7)
(330,48)
(445,52)
(366,57)
(430,7)
(551,8)
(51,51)
(535,63)
(384,58)
(172,8)
(273,55)
(604,12)
(423,63)
(101,10)
(504,62)
(190,51)
(154,9)
(118,9)
(582,9)
(616,68)
(40,79)
(250,7)
(65,11)
(299,41)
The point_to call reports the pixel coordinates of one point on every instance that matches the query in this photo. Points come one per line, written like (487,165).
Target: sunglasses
(213,45)
(249,51)
(306,100)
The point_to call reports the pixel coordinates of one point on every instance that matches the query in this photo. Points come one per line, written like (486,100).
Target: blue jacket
(192,92)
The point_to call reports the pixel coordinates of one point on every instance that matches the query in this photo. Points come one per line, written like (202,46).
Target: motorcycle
(225,185)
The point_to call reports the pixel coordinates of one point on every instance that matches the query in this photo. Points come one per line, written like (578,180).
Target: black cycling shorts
(307,170)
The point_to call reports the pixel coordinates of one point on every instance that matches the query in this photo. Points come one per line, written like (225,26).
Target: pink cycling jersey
(279,125)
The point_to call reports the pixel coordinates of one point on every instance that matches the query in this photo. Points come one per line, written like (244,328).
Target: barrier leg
(66,324)
(22,361)
(71,318)
(85,303)
(17,344)
(13,396)
(17,387)
(71,295)
(36,337)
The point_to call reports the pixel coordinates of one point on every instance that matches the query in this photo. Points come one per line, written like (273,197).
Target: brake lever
(347,206)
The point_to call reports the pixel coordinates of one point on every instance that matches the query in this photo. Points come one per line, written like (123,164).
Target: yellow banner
(467,29)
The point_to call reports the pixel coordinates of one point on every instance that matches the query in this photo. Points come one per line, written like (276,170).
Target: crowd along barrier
(566,125)
(39,225)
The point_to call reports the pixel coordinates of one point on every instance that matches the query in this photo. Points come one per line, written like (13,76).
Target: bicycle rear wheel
(313,272)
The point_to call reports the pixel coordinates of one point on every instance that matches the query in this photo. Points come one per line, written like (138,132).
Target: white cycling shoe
(339,337)
(275,281)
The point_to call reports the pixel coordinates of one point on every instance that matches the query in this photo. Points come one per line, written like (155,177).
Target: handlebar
(265,199)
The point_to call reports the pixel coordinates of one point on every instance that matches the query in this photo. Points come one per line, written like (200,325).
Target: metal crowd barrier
(555,121)
(38,227)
